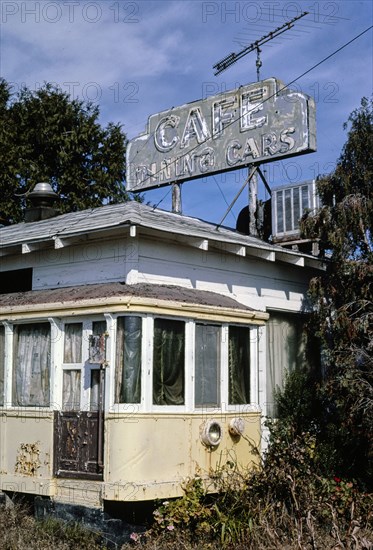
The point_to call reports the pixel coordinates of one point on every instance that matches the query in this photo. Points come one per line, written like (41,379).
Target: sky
(138,58)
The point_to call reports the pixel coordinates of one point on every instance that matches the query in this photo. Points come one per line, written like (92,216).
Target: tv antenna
(231,58)
(221,66)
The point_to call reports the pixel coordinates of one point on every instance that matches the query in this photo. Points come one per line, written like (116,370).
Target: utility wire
(278,91)
(329,56)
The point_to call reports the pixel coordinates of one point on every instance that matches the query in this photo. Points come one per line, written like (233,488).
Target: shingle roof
(113,217)
(128,213)
(109,290)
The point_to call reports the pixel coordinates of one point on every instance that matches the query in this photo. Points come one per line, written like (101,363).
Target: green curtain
(207,365)
(168,362)
(128,364)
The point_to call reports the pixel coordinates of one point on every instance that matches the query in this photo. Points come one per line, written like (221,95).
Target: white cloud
(138,58)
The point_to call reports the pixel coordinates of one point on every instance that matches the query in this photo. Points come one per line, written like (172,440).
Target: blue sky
(136,58)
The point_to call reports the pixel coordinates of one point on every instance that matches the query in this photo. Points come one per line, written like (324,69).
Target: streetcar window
(239,365)
(207,365)
(168,362)
(71,389)
(73,343)
(97,343)
(128,361)
(2,355)
(285,352)
(31,368)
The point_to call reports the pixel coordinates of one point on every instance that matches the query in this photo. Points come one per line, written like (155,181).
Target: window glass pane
(296,207)
(288,213)
(72,352)
(207,363)
(31,368)
(97,342)
(239,365)
(305,198)
(168,362)
(2,357)
(285,352)
(71,390)
(98,328)
(280,212)
(95,390)
(128,363)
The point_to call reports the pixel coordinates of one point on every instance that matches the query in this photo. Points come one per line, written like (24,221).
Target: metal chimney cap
(42,190)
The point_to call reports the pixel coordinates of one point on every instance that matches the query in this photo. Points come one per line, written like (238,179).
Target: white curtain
(73,343)
(285,352)
(31,372)
(71,390)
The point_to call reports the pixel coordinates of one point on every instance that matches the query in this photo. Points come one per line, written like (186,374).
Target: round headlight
(236,426)
(211,433)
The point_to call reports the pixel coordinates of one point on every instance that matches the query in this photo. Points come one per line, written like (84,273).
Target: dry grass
(19,530)
(274,528)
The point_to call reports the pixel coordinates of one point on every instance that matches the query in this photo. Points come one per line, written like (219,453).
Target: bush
(289,502)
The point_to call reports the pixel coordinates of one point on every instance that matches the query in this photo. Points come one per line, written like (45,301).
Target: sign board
(257,123)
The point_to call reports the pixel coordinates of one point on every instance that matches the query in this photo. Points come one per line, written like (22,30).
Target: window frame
(2,365)
(167,409)
(84,366)
(219,367)
(295,320)
(11,384)
(58,367)
(118,404)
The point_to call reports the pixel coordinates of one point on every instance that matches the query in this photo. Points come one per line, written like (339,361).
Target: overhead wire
(270,97)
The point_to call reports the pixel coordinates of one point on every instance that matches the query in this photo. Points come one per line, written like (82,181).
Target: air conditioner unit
(289,203)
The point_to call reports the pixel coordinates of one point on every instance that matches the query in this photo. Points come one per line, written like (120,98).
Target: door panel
(78,435)
(78,444)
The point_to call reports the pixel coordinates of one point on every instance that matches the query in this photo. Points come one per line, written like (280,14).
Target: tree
(342,299)
(46,136)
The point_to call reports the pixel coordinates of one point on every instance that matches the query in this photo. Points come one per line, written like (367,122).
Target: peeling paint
(28,459)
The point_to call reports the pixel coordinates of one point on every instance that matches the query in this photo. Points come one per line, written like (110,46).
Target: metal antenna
(233,57)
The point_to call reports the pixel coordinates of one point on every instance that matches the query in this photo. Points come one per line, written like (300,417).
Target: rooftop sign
(256,123)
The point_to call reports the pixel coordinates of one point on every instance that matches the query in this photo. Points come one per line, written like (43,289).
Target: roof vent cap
(42,191)
(41,198)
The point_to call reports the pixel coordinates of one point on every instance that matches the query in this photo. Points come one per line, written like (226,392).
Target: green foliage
(344,223)
(45,136)
(311,489)
(342,300)
(188,512)
(284,504)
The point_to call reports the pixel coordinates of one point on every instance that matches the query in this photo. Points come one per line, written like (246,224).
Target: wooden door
(78,436)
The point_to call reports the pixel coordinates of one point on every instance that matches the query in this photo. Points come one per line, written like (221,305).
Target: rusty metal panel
(78,445)
(257,123)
